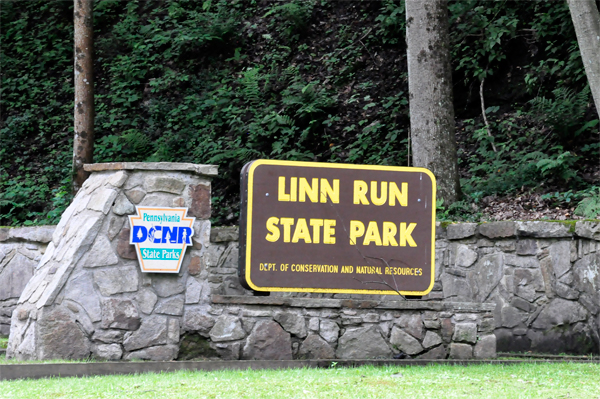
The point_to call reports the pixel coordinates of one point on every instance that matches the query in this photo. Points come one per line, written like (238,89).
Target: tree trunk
(430,94)
(83,142)
(586,20)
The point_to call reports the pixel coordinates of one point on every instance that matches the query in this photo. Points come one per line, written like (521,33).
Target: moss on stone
(195,346)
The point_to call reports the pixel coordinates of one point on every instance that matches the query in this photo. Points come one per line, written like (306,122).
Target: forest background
(225,82)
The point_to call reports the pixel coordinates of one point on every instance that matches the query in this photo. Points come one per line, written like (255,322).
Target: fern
(565,112)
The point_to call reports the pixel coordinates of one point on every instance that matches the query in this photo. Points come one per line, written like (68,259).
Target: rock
(173,331)
(527,247)
(193,290)
(268,341)
(59,336)
(152,332)
(101,254)
(485,275)
(200,195)
(197,319)
(108,352)
(497,229)
(586,277)
(465,332)
(155,353)
(457,231)
(461,351)
(167,285)
(431,339)
(15,276)
(511,317)
(329,331)
(363,343)
(120,313)
(146,299)
(171,306)
(526,292)
(195,266)
(543,229)
(566,292)
(227,328)
(122,206)
(560,312)
(116,280)
(532,277)
(560,254)
(224,234)
(455,288)
(530,262)
(135,195)
(231,286)
(292,323)
(439,352)
(41,234)
(314,347)
(447,329)
(521,304)
(405,342)
(108,336)
(80,289)
(485,348)
(114,226)
(117,179)
(589,230)
(465,257)
(165,184)
(124,248)
(158,200)
(411,323)
(102,200)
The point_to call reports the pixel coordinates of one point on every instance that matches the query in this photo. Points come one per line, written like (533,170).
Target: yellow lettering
(273,229)
(301,232)
(402,196)
(405,234)
(311,190)
(328,231)
(378,200)
(372,234)
(293,189)
(389,234)
(333,193)
(287,224)
(360,192)
(281,195)
(357,229)
(316,225)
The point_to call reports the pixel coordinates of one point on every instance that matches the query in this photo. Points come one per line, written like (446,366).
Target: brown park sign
(336,228)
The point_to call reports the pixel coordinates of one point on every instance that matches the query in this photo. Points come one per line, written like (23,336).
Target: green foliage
(226,82)
(392,22)
(565,112)
(589,206)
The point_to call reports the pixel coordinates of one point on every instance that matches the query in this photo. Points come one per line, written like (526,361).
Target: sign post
(336,228)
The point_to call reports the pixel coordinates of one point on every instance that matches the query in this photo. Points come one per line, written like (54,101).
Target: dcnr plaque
(336,228)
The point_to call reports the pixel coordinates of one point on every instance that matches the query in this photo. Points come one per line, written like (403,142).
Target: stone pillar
(87,295)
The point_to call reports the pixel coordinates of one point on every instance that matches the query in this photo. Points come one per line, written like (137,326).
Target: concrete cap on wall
(203,170)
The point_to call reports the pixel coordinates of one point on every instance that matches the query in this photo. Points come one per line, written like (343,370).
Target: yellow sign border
(260,162)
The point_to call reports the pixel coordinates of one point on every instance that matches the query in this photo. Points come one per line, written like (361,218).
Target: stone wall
(88,296)
(20,251)
(542,278)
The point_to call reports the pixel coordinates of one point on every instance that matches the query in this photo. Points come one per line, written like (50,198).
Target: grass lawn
(542,380)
